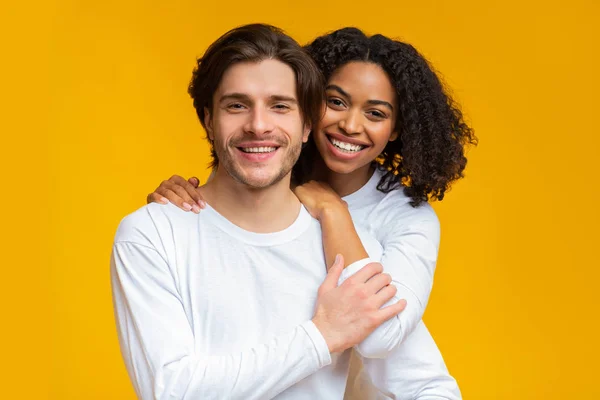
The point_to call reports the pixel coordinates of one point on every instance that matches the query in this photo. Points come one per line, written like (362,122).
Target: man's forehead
(267,78)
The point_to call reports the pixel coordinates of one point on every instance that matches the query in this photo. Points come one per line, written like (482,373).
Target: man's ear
(393,136)
(308,127)
(208,123)
(306,133)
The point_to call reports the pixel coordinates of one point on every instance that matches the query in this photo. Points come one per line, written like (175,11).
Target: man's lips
(258,144)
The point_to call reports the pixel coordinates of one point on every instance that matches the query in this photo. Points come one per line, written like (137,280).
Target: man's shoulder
(147,223)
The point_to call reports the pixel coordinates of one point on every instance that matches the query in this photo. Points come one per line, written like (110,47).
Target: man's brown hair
(255,43)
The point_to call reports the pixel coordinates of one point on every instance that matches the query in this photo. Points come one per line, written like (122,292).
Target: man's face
(256,123)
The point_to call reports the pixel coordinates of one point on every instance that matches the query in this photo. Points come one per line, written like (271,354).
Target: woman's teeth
(348,147)
(258,149)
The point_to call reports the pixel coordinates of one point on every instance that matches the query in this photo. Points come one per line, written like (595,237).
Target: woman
(391,140)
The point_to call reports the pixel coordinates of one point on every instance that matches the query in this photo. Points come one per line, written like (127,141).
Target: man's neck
(265,210)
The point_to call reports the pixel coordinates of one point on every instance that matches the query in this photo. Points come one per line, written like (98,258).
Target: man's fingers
(378,282)
(366,273)
(384,295)
(392,310)
(333,275)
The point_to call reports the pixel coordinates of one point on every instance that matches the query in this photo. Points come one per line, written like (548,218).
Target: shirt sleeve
(157,341)
(415,370)
(409,256)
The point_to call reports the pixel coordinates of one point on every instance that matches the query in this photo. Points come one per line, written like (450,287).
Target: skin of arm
(339,233)
(411,272)
(411,278)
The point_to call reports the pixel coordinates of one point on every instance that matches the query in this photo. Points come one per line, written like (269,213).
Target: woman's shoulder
(395,205)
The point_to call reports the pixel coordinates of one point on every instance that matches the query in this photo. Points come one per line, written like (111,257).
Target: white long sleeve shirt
(207,310)
(410,240)
(200,302)
(400,359)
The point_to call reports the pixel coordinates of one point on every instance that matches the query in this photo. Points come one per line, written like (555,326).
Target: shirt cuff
(353,268)
(319,343)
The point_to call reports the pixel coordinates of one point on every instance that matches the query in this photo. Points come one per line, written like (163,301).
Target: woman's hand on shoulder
(182,193)
(318,198)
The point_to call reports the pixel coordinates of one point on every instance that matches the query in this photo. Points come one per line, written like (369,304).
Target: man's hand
(346,314)
(180,192)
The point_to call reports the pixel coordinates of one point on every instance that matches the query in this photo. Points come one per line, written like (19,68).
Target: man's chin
(259,181)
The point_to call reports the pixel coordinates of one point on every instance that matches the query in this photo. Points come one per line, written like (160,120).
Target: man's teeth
(346,146)
(258,149)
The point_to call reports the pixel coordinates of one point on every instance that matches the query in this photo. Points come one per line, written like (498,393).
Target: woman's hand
(180,192)
(319,197)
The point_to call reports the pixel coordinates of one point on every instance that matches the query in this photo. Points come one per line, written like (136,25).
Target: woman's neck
(342,184)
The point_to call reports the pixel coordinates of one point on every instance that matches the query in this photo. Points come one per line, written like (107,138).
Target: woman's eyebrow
(347,95)
(381,103)
(338,89)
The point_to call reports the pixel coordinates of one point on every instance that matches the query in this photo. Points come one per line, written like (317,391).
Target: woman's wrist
(333,210)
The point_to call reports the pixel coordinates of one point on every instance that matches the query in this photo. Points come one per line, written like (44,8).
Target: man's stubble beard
(233,170)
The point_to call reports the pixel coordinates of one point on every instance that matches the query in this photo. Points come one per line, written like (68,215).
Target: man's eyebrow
(234,96)
(280,97)
(246,98)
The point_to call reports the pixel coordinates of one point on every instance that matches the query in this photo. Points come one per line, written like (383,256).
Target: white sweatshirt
(207,310)
(400,359)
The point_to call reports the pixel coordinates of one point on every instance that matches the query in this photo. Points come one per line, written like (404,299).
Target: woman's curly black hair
(430,152)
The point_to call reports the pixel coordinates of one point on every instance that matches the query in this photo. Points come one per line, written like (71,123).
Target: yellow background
(95,114)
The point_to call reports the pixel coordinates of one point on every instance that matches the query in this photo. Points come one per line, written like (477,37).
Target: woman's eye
(377,114)
(336,102)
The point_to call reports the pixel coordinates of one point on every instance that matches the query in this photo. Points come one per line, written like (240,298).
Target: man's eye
(282,107)
(235,106)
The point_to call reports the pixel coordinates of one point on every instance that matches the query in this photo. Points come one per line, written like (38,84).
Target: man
(222,304)
(235,302)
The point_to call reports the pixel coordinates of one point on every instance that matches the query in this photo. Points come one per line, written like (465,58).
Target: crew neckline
(298,227)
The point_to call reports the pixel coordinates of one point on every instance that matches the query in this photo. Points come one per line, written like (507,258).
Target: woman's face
(359,119)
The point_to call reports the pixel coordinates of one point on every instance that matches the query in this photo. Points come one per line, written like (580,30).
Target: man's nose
(259,122)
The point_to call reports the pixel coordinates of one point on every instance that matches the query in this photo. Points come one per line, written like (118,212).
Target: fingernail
(337,259)
(163,200)
(195,208)
(187,207)
(202,203)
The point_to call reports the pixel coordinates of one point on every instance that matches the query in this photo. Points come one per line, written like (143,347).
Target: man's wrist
(332,346)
